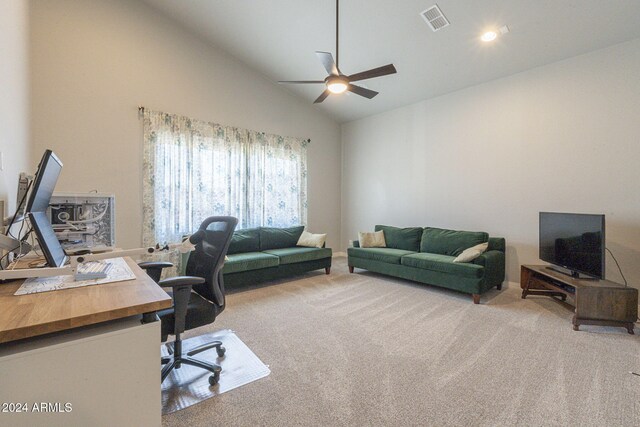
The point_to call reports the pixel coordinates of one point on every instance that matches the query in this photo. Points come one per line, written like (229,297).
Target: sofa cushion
(450,242)
(293,255)
(389,255)
(277,238)
(407,239)
(442,264)
(247,240)
(249,261)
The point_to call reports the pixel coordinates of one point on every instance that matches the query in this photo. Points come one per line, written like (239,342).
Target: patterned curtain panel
(194,169)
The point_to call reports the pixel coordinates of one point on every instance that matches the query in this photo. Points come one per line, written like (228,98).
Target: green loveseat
(260,254)
(426,255)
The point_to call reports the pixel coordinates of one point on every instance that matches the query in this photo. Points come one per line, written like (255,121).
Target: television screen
(573,241)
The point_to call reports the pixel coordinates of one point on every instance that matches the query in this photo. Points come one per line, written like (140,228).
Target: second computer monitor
(49,243)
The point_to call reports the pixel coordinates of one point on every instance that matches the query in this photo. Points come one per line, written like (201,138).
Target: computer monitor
(37,204)
(44,182)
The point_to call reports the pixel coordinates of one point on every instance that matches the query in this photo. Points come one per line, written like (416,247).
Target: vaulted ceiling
(278,38)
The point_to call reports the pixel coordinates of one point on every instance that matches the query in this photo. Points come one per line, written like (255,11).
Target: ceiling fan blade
(322,96)
(375,72)
(301,81)
(359,90)
(329,64)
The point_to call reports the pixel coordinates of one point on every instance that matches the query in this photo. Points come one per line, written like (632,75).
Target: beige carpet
(364,349)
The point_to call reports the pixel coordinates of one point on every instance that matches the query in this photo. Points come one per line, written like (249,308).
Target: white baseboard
(510,284)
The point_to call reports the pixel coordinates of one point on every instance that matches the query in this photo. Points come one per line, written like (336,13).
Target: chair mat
(190,385)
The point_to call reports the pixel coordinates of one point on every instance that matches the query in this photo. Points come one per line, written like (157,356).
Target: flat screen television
(573,241)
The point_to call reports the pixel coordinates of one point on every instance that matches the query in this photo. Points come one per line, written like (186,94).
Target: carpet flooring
(367,350)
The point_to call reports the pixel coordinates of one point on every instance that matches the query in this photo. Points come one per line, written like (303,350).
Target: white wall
(94,62)
(14,98)
(563,137)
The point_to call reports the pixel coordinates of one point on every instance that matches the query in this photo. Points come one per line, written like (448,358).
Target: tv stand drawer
(617,304)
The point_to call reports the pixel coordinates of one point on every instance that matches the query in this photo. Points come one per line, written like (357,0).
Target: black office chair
(198,298)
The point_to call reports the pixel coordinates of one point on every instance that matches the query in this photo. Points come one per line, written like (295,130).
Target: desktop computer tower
(83,220)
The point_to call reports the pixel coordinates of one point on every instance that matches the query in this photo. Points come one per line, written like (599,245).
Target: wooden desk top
(30,315)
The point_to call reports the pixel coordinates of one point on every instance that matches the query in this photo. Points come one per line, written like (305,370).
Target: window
(195,169)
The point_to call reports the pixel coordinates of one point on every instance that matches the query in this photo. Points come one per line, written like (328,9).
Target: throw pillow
(472,253)
(311,240)
(372,240)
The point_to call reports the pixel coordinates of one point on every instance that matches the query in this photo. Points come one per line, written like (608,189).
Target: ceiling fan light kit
(337,82)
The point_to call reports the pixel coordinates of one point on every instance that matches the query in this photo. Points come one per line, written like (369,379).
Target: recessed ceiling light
(489,36)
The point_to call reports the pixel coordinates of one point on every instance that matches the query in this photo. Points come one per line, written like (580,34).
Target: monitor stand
(571,273)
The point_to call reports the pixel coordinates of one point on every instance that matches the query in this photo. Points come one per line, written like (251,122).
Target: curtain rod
(141,113)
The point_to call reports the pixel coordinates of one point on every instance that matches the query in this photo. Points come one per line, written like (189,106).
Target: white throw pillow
(471,253)
(310,240)
(372,240)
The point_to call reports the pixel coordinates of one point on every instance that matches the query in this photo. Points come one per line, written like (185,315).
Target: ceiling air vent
(435,18)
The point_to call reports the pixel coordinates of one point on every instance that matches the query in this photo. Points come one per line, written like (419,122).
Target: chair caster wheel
(213,379)
(221,351)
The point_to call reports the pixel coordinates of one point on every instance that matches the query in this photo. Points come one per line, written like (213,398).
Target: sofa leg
(499,287)
(327,270)
(350,269)
(476,298)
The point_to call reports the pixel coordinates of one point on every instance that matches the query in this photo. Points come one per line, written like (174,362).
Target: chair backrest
(207,259)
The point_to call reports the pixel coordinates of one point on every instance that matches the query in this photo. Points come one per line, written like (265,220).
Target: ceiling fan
(337,82)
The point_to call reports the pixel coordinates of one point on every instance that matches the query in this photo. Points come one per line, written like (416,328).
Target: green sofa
(260,254)
(426,255)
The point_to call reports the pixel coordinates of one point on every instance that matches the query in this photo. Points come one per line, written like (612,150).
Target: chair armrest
(181,294)
(154,268)
(181,281)
(494,268)
(154,264)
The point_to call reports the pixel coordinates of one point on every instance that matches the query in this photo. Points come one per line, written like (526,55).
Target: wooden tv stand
(596,302)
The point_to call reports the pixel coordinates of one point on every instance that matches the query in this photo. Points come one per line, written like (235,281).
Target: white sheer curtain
(194,169)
